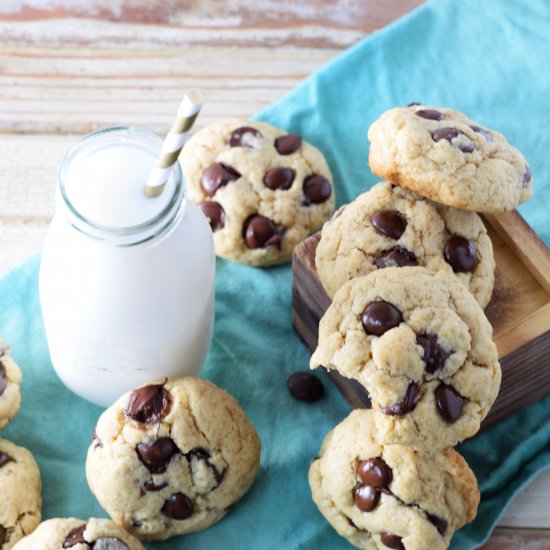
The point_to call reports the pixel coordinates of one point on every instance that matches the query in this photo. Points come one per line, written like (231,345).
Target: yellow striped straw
(188,111)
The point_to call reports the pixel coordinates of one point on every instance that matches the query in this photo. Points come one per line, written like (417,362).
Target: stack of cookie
(410,267)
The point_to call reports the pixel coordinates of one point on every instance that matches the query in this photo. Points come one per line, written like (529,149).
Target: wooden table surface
(71,66)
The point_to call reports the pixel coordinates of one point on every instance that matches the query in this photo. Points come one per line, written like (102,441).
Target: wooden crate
(519,311)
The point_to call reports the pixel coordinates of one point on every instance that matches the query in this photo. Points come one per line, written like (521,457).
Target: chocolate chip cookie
(421,345)
(96,534)
(380,497)
(392,227)
(171,457)
(10,380)
(262,189)
(20,489)
(443,155)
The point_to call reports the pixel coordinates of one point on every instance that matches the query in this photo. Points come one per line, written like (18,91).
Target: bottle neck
(92,149)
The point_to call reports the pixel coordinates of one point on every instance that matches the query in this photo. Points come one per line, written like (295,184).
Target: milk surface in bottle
(126,281)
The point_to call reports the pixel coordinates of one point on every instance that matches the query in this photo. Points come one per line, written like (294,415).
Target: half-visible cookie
(20,487)
(380,497)
(263,190)
(171,457)
(10,381)
(391,227)
(63,533)
(421,345)
(445,156)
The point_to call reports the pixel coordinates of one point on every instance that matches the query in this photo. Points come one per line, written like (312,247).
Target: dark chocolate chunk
(412,104)
(76,536)
(305,386)
(439,523)
(178,506)
(215,214)
(109,543)
(259,232)
(317,189)
(4,458)
(379,317)
(3,382)
(527,176)
(200,453)
(430,114)
(148,404)
(286,145)
(486,134)
(389,223)
(391,541)
(435,355)
(460,254)
(449,403)
(151,487)
(3,535)
(156,456)
(396,257)
(279,178)
(217,175)
(407,405)
(451,133)
(96,442)
(366,498)
(243,137)
(375,472)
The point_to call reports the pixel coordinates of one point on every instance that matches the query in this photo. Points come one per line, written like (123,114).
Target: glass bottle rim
(88,226)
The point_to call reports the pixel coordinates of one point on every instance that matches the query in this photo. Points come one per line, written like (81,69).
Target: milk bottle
(126,281)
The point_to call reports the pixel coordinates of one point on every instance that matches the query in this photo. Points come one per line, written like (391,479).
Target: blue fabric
(489,59)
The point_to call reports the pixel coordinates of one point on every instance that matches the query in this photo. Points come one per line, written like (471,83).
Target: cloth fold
(489,59)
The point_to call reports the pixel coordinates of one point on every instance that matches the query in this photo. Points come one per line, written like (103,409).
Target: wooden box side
(519,312)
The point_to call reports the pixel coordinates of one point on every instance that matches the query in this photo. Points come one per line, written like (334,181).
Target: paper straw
(189,108)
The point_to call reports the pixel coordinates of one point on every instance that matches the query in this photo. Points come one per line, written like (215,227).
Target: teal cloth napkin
(489,59)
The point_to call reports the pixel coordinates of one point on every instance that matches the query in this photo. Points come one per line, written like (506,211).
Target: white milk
(126,281)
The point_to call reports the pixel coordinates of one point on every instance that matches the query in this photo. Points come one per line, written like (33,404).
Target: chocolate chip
(305,386)
(178,506)
(279,178)
(396,257)
(407,405)
(389,223)
(439,523)
(286,145)
(259,232)
(412,104)
(151,487)
(4,458)
(76,536)
(156,456)
(109,543)
(3,535)
(391,541)
(217,175)
(244,137)
(96,442)
(527,176)
(379,317)
(451,133)
(449,403)
(430,114)
(460,254)
(366,498)
(215,214)
(200,453)
(3,383)
(375,472)
(487,135)
(148,404)
(317,189)
(435,355)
